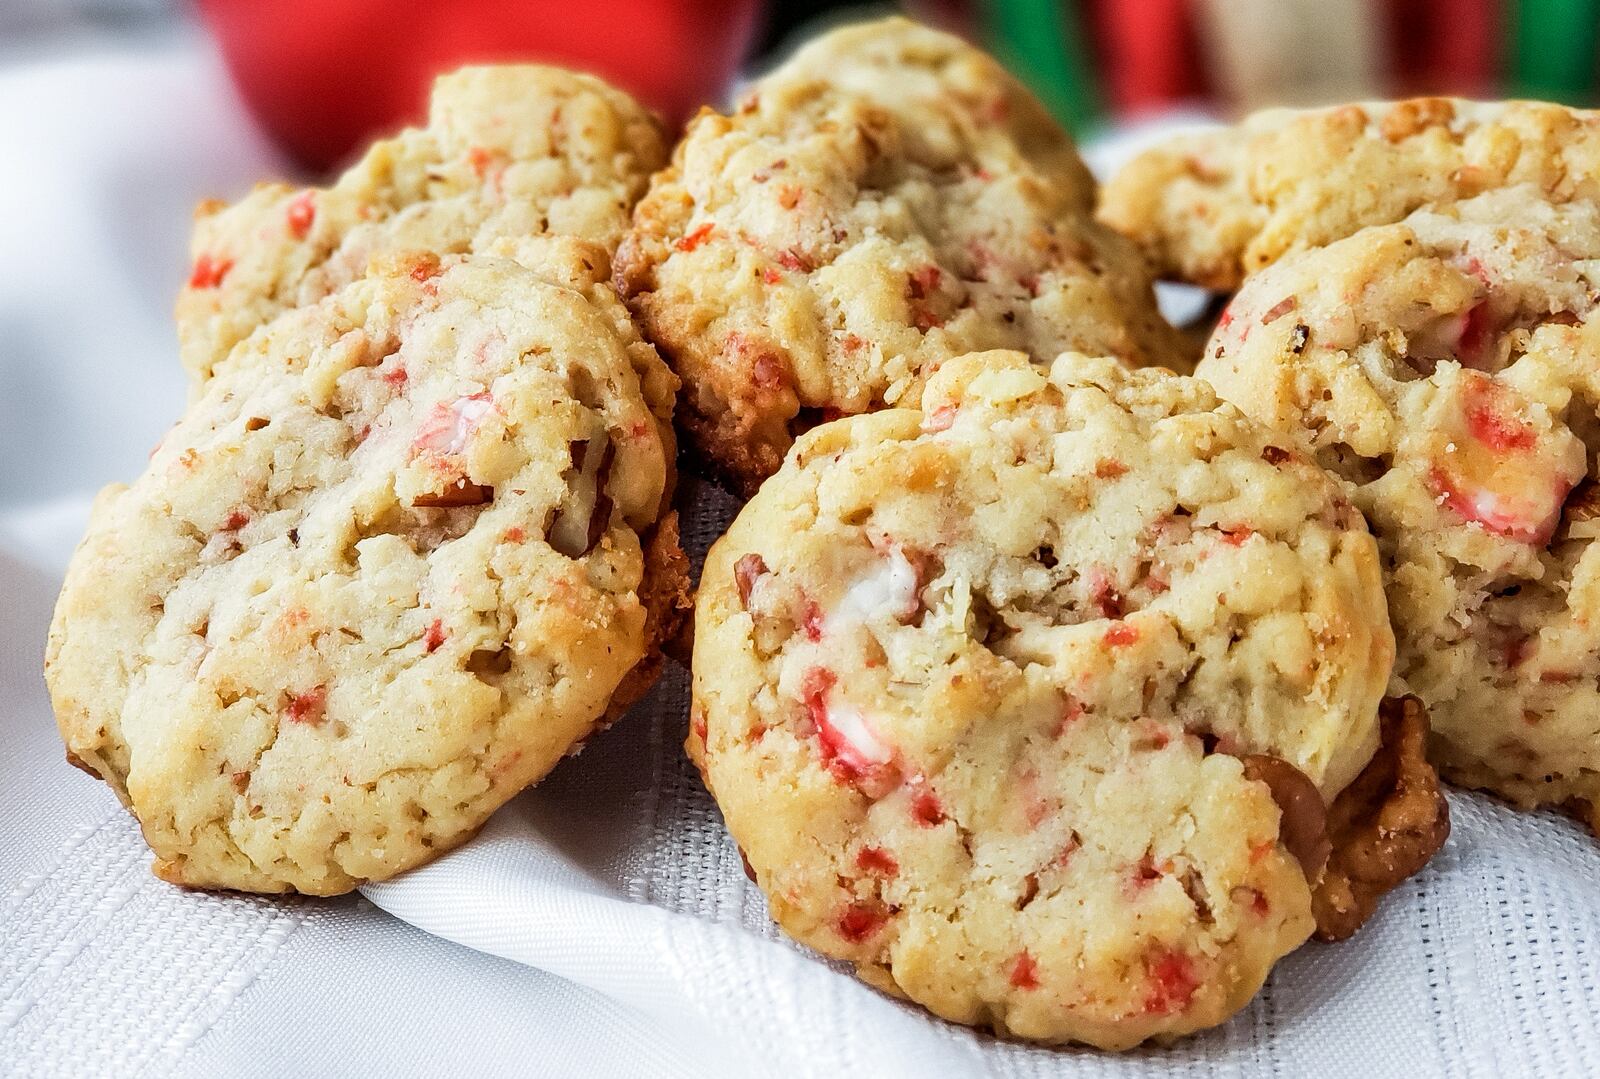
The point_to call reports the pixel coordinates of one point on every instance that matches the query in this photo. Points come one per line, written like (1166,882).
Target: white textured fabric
(621,935)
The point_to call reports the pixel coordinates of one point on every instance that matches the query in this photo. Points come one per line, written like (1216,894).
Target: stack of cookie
(887,199)
(1417,304)
(1056,690)
(1033,679)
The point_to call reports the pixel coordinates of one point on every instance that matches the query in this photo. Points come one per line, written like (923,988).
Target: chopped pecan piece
(1304,826)
(1583,504)
(586,513)
(1385,825)
(746,572)
(80,764)
(459,493)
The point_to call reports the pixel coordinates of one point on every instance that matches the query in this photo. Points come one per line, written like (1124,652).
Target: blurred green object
(1042,41)
(1553,49)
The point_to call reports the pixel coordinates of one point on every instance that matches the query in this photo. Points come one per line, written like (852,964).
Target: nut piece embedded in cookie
(887,199)
(1444,367)
(1033,712)
(332,628)
(508,151)
(1214,207)
(1385,826)
(1303,824)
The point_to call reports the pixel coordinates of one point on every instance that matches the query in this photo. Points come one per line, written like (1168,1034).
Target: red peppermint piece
(695,237)
(924,281)
(851,749)
(208,272)
(1024,972)
(1526,517)
(1498,469)
(861,920)
(791,259)
(1120,633)
(307,707)
(1144,873)
(425,267)
(811,619)
(449,425)
(926,809)
(1103,593)
(301,213)
(877,860)
(1490,417)
(1172,981)
(940,419)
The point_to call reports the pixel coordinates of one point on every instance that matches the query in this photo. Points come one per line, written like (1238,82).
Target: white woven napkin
(628,940)
(616,874)
(104,970)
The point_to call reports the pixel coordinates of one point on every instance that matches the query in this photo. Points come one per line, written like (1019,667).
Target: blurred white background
(115,119)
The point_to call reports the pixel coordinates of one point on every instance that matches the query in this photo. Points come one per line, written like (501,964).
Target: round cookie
(1212,208)
(508,151)
(888,199)
(1448,367)
(1001,698)
(376,581)
(946,91)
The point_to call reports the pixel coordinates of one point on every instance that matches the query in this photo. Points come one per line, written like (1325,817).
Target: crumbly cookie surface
(1215,207)
(1001,698)
(375,582)
(947,91)
(888,199)
(508,152)
(1447,368)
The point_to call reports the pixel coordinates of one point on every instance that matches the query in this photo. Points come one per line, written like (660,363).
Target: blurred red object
(325,76)
(1443,46)
(1148,52)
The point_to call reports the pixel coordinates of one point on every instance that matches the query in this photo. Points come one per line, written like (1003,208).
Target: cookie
(945,91)
(1030,703)
(508,151)
(888,199)
(1213,208)
(375,582)
(1448,368)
